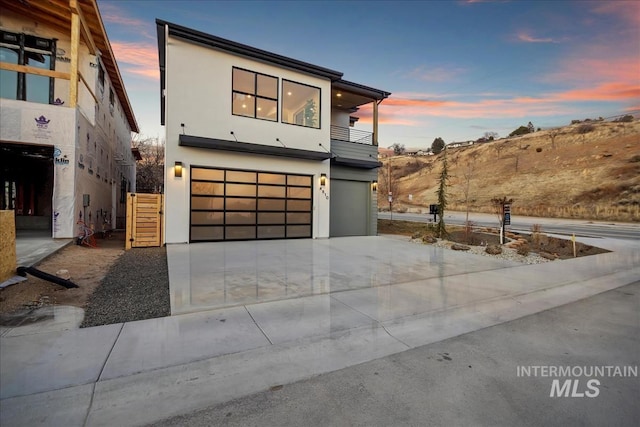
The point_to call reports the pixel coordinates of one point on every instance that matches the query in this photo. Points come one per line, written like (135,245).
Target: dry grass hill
(588,170)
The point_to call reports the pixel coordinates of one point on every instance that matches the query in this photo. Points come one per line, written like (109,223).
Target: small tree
(442,197)
(498,207)
(522,130)
(398,149)
(437,146)
(553,134)
(150,170)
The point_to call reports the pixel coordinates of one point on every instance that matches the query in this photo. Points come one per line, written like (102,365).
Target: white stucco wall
(199,94)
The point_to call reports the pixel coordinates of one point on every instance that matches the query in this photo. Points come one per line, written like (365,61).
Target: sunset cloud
(137,58)
(625,10)
(524,36)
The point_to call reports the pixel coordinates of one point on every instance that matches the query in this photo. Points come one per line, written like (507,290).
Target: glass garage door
(247,205)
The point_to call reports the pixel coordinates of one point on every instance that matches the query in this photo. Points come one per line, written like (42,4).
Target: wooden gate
(144,220)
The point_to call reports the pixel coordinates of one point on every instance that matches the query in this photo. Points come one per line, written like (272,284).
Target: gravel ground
(136,287)
(507,253)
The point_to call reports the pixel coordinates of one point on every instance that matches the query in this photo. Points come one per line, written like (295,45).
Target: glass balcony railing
(349,134)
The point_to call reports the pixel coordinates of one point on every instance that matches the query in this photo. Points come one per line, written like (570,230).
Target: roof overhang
(57,15)
(348,95)
(355,163)
(250,148)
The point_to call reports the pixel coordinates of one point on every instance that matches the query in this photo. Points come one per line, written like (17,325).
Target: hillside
(589,171)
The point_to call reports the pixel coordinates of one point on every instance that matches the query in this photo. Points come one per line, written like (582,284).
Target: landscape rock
(429,239)
(493,249)
(547,255)
(459,247)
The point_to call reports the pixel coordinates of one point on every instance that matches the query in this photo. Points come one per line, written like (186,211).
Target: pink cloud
(528,38)
(625,10)
(137,58)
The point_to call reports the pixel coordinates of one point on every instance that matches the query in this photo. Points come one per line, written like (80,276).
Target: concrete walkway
(367,298)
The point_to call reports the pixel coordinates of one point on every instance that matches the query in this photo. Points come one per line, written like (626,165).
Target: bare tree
(150,170)
(498,147)
(388,183)
(553,134)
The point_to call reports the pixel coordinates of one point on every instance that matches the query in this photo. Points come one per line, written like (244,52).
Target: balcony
(347,134)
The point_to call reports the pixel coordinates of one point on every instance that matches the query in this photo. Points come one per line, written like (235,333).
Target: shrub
(523,250)
(585,128)
(536,228)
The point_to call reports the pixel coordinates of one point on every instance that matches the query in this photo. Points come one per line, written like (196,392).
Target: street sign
(506,214)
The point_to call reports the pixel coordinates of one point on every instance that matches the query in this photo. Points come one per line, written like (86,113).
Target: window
(36,52)
(300,104)
(112,100)
(101,80)
(255,95)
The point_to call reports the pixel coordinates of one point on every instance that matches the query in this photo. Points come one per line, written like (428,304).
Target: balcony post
(375,123)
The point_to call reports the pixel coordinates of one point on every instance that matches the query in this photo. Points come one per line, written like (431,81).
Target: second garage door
(349,208)
(248,205)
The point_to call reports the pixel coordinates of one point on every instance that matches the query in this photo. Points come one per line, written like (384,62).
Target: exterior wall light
(374,186)
(178,170)
(323,179)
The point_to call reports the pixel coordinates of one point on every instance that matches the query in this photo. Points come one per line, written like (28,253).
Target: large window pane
(208,174)
(271,178)
(207,233)
(240,176)
(8,79)
(240,233)
(266,109)
(271,218)
(298,231)
(269,191)
(299,192)
(300,104)
(241,190)
(271,232)
(299,180)
(206,218)
(207,188)
(271,204)
(299,205)
(243,81)
(240,218)
(244,105)
(298,218)
(243,204)
(267,86)
(216,203)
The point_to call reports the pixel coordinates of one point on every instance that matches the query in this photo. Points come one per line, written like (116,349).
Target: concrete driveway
(271,313)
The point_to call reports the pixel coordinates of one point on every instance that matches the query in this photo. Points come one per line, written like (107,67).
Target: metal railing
(351,135)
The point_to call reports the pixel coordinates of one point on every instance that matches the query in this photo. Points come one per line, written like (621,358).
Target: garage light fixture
(374,186)
(178,170)
(323,179)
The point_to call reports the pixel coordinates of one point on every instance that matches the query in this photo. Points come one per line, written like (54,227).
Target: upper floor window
(36,52)
(300,104)
(255,95)
(112,100)
(101,80)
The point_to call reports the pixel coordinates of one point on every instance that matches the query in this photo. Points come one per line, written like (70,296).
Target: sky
(456,69)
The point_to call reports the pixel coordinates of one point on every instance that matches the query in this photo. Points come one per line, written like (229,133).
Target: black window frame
(319,104)
(23,45)
(255,94)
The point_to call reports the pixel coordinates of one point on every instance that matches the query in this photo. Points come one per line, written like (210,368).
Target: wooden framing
(33,70)
(144,220)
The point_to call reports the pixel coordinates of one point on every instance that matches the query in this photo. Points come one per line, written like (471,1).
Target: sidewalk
(140,372)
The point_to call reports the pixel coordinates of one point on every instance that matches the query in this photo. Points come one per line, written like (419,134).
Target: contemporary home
(65,139)
(262,146)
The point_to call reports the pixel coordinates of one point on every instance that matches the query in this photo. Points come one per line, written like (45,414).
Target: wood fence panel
(144,220)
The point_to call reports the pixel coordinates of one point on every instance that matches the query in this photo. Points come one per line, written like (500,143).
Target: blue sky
(456,69)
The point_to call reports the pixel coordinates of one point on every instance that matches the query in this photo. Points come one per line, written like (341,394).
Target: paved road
(471,379)
(616,230)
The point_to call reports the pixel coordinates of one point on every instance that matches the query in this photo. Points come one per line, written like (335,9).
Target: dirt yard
(87,267)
